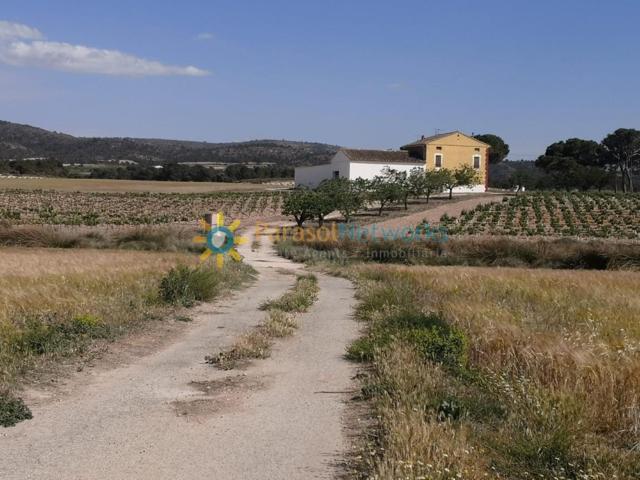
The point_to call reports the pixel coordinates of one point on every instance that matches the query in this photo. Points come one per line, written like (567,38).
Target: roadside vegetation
(147,237)
(486,373)
(280,322)
(57,304)
(494,251)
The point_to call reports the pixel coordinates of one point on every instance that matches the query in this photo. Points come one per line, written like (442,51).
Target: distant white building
(353,164)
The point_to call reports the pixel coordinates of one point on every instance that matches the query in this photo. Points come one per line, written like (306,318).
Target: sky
(363,74)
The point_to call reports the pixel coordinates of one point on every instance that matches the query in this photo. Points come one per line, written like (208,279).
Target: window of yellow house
(476,161)
(438,160)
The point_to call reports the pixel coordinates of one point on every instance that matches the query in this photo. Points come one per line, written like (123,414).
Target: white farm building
(448,150)
(353,164)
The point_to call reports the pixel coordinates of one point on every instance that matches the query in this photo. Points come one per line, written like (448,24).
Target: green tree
(434,182)
(623,150)
(567,154)
(403,185)
(384,190)
(301,205)
(323,204)
(498,150)
(348,196)
(417,182)
(448,180)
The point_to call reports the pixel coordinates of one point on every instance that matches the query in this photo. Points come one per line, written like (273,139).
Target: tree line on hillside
(194,173)
(19,142)
(393,187)
(169,172)
(614,163)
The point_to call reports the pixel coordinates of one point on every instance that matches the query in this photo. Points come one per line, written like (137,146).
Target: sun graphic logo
(220,240)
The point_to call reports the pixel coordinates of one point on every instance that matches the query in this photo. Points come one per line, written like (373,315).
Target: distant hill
(24,141)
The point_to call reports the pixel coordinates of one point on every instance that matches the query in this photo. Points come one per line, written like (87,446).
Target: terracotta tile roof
(432,138)
(387,156)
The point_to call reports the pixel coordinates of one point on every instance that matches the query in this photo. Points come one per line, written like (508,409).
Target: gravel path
(168,415)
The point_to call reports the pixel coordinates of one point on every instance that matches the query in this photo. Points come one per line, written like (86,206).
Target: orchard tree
(466,176)
(384,190)
(498,150)
(402,183)
(301,205)
(323,205)
(416,182)
(448,179)
(347,196)
(434,182)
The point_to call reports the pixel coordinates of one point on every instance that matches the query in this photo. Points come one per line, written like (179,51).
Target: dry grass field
(124,186)
(500,373)
(48,296)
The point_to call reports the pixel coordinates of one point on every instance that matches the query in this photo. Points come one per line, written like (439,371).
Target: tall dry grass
(153,238)
(560,253)
(551,384)
(52,302)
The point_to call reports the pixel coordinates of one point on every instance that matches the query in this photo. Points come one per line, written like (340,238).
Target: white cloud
(17,30)
(21,45)
(205,36)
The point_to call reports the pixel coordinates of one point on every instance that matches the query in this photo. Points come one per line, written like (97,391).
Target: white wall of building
(479,188)
(342,166)
(311,177)
(368,170)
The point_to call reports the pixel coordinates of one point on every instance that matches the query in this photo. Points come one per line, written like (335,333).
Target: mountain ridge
(21,141)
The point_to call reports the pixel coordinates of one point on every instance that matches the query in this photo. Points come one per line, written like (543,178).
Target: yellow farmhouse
(447,150)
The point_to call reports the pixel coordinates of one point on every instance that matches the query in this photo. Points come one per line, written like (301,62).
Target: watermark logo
(358,233)
(220,240)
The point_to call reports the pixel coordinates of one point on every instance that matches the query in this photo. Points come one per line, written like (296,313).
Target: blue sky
(370,74)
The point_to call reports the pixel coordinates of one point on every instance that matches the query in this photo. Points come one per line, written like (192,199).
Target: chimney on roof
(422,137)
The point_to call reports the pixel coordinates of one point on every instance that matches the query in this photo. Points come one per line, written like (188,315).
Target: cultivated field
(76,208)
(138,186)
(603,215)
(500,373)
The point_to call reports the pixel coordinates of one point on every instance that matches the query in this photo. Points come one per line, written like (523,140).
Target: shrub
(447,346)
(361,350)
(185,285)
(49,333)
(12,410)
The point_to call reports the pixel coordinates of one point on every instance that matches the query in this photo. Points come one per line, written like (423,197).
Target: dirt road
(168,415)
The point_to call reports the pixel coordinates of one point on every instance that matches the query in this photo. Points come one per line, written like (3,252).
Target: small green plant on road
(280,322)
